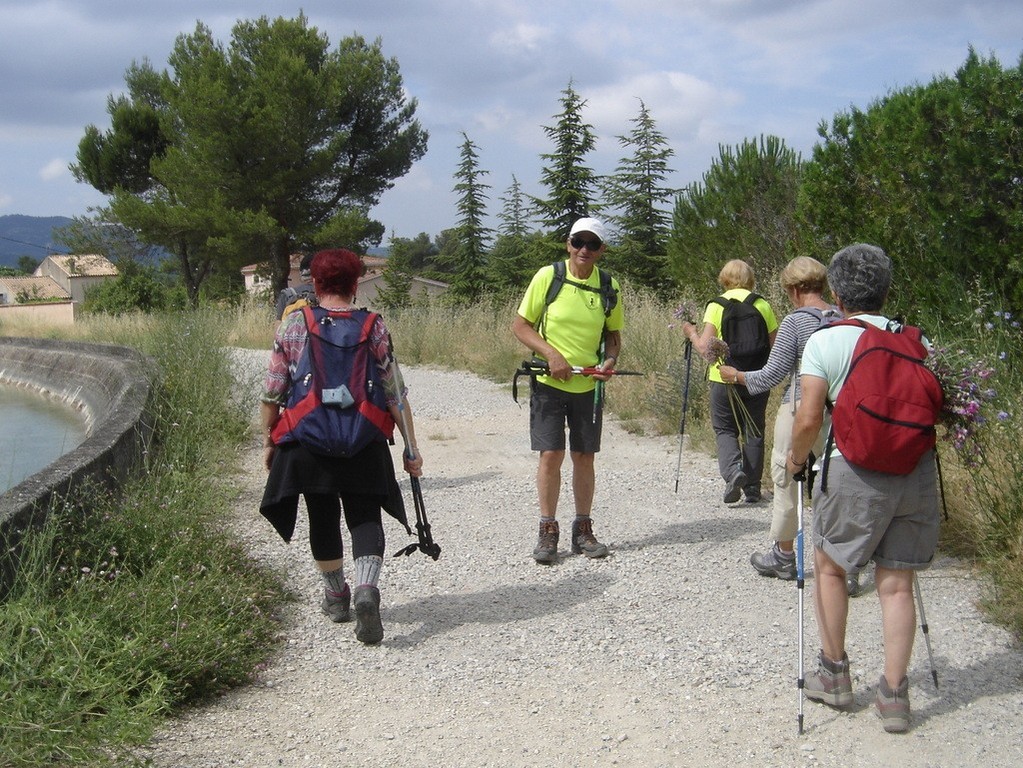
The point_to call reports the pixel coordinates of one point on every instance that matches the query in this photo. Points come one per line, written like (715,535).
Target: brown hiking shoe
(831,683)
(546,550)
(893,705)
(583,540)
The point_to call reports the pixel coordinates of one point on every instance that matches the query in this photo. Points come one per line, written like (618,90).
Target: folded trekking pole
(426,542)
(535,368)
(688,354)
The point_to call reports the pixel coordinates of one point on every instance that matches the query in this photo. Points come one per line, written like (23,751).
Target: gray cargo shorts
(866,515)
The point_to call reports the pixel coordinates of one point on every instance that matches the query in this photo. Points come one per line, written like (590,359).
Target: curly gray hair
(860,275)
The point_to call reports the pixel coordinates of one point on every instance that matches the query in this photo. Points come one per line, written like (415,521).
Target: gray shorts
(890,519)
(551,409)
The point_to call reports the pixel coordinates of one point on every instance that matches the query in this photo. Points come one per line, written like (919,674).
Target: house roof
(34,288)
(84,265)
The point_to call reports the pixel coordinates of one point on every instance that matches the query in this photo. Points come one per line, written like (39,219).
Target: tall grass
(128,607)
(125,607)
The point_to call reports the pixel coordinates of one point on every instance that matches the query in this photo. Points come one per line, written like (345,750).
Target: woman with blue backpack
(332,396)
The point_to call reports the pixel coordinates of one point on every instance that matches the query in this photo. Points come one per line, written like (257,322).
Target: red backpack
(885,415)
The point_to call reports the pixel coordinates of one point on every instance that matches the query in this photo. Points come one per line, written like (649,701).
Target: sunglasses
(590,245)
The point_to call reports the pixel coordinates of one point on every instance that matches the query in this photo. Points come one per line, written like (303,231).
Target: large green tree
(570,183)
(637,191)
(932,174)
(743,209)
(272,141)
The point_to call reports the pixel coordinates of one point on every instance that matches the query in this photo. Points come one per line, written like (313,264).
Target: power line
(47,248)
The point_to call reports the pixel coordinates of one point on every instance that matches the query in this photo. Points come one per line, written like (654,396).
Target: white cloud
(55,169)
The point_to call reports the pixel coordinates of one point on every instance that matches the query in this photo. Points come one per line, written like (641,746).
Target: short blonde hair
(736,274)
(804,273)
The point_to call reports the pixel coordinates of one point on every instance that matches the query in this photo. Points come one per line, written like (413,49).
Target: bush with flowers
(970,400)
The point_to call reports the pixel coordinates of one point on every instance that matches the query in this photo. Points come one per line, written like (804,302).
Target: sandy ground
(670,652)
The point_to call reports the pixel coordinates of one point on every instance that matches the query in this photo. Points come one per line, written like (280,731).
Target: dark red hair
(337,271)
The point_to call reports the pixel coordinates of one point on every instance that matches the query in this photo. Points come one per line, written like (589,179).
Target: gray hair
(860,275)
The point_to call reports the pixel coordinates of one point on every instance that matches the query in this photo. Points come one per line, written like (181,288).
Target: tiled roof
(84,265)
(34,288)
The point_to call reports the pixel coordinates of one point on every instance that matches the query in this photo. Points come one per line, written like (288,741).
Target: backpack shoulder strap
(752,298)
(608,295)
(557,283)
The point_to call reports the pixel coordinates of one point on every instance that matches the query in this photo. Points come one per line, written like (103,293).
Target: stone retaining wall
(109,385)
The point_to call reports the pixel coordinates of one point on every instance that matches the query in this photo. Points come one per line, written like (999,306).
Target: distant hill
(28,236)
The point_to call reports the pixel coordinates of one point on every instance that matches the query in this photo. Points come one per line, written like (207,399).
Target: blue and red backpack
(337,405)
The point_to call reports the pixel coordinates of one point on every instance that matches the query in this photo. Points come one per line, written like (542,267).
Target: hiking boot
(754,497)
(337,607)
(368,628)
(546,550)
(775,563)
(734,487)
(852,584)
(893,706)
(831,683)
(583,540)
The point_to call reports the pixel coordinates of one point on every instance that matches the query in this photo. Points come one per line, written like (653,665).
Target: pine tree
(397,275)
(468,256)
(637,191)
(569,181)
(510,262)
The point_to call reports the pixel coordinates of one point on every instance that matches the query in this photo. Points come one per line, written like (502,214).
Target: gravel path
(670,652)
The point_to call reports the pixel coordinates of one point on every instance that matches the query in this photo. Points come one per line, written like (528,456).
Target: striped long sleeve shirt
(786,352)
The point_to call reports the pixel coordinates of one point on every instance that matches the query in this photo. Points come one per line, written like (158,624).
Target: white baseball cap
(593,226)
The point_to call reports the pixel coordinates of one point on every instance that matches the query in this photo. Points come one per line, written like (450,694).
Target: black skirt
(296,470)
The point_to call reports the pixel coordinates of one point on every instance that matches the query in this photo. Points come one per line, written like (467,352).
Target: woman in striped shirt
(804,280)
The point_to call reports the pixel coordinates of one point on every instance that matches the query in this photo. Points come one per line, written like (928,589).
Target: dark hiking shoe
(733,489)
(852,584)
(754,497)
(583,540)
(368,628)
(831,683)
(546,550)
(775,563)
(338,608)
(893,706)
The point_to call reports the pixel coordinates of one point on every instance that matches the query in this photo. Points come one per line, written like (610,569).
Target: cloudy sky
(711,72)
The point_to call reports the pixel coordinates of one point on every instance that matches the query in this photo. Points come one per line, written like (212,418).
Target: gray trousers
(739,430)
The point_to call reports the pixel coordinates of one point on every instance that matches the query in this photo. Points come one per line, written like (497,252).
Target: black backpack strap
(557,283)
(608,295)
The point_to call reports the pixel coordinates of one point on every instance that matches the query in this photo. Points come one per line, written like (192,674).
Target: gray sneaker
(338,608)
(583,540)
(831,683)
(368,628)
(733,490)
(775,563)
(893,706)
(546,550)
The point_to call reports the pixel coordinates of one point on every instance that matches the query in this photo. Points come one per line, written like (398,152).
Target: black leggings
(362,516)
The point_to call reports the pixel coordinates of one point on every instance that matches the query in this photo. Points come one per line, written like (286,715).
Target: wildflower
(717,350)
(964,411)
